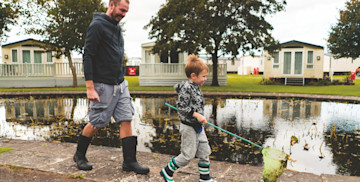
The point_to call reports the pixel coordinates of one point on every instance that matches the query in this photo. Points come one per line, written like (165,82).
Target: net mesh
(275,162)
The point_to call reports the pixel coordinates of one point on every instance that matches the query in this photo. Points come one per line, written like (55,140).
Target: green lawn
(236,83)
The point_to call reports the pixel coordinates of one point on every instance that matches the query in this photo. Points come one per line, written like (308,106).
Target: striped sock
(168,171)
(204,170)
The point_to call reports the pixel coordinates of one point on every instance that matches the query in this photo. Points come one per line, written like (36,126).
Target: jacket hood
(186,83)
(178,86)
(103,16)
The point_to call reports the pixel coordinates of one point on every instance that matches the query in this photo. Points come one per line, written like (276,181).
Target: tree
(344,38)
(63,24)
(9,12)
(217,26)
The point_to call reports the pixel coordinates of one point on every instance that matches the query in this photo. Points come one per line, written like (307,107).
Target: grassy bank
(236,83)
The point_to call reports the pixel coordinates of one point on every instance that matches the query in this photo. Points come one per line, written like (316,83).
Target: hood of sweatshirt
(183,84)
(99,16)
(178,86)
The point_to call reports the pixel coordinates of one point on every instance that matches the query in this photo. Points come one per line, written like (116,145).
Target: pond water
(328,133)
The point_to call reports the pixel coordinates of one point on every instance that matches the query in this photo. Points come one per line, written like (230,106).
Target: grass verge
(236,83)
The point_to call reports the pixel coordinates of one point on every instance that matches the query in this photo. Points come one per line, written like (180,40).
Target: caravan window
(14,56)
(276,63)
(310,60)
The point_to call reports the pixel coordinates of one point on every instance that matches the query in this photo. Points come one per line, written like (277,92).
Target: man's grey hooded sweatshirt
(190,100)
(103,51)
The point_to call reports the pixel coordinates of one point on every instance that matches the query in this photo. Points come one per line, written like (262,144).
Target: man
(106,87)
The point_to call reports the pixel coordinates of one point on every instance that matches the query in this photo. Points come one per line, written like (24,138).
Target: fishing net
(275,162)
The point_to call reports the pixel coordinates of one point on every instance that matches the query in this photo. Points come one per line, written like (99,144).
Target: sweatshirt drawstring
(121,89)
(114,94)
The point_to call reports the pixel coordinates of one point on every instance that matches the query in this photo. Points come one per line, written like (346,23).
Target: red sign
(131,70)
(352,76)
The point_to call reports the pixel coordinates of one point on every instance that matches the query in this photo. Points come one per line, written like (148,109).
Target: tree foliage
(217,26)
(63,24)
(344,38)
(9,12)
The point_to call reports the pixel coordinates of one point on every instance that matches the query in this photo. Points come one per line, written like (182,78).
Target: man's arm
(90,50)
(92,41)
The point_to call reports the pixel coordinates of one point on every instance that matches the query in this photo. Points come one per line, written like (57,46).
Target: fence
(173,69)
(39,75)
(39,69)
(167,74)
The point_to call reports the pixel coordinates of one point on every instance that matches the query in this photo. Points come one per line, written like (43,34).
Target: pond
(328,133)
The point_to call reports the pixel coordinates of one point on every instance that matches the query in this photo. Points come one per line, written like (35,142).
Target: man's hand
(91,93)
(200,118)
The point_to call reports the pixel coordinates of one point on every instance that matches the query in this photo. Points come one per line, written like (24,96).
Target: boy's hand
(200,118)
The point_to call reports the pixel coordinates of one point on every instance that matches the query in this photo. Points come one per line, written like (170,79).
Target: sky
(307,21)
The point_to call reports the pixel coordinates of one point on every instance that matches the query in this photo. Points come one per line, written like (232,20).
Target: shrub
(320,83)
(269,82)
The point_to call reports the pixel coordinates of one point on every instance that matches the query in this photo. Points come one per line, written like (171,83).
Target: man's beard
(114,16)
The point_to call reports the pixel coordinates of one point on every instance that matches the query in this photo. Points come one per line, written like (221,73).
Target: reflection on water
(328,133)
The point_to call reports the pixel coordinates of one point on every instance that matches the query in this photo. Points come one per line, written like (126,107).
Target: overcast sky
(303,20)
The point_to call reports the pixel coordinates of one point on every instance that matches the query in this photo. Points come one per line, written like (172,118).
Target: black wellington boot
(79,157)
(129,152)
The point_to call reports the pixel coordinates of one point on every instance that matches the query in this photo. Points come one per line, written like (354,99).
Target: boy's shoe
(209,180)
(168,171)
(204,170)
(166,177)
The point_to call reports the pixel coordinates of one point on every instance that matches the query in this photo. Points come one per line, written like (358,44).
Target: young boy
(190,106)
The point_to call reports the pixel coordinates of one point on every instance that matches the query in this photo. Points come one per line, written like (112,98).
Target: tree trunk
(73,107)
(72,68)
(214,111)
(214,59)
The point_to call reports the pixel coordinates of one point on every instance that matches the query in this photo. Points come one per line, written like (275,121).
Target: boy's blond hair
(194,65)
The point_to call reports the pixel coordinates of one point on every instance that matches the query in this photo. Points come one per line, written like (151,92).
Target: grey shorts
(115,100)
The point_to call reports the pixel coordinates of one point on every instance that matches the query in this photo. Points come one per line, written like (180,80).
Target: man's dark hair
(117,1)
